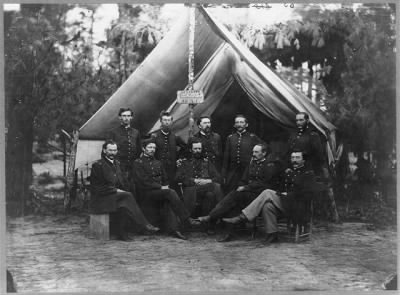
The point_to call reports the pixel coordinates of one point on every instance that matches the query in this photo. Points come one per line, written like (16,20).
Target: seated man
(298,185)
(199,178)
(151,180)
(258,176)
(109,192)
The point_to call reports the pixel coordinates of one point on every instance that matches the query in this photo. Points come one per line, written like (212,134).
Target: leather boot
(204,219)
(270,238)
(193,222)
(226,238)
(236,220)
(151,228)
(179,235)
(122,220)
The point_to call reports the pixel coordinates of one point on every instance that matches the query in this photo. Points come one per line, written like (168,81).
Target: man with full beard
(200,180)
(210,141)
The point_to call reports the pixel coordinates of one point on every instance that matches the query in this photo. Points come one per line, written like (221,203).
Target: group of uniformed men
(151,171)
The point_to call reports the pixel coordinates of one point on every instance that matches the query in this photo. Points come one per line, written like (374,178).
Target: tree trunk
(18,160)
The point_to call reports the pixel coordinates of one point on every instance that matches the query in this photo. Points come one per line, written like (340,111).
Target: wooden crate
(99,226)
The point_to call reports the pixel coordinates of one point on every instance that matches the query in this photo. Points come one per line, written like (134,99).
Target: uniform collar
(241,133)
(260,161)
(165,133)
(147,157)
(299,168)
(108,160)
(127,127)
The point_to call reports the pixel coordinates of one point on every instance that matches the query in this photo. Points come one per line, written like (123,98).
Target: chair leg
(254,233)
(297,234)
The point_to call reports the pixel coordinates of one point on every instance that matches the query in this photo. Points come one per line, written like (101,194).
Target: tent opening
(236,101)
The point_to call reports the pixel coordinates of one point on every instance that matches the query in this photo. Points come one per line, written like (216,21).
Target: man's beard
(165,128)
(197,155)
(207,130)
(301,127)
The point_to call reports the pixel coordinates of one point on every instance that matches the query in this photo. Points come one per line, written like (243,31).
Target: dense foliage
(54,79)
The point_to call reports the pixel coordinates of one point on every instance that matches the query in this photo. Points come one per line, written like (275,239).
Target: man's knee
(172,195)
(125,194)
(269,207)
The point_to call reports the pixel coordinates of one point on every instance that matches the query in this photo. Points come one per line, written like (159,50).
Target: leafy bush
(45,178)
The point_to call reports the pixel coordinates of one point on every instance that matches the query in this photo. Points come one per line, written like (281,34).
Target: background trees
(57,74)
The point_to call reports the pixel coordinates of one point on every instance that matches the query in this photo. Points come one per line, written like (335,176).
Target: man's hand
(240,188)
(202,181)
(165,187)
(179,162)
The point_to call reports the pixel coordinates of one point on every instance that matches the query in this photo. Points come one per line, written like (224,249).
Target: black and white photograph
(199,147)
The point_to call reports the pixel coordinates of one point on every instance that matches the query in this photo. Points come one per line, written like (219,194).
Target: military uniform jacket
(308,141)
(129,143)
(193,168)
(260,175)
(149,173)
(167,147)
(239,150)
(105,179)
(211,144)
(300,183)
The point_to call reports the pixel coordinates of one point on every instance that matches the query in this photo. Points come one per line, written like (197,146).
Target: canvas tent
(232,79)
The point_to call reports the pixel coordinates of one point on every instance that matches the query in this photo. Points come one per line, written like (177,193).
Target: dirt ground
(56,254)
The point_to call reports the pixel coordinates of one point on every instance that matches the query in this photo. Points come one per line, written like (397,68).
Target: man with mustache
(237,155)
(128,141)
(297,186)
(200,180)
(210,141)
(307,139)
(260,174)
(167,145)
(152,181)
(109,193)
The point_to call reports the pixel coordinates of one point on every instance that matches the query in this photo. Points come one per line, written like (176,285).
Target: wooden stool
(99,226)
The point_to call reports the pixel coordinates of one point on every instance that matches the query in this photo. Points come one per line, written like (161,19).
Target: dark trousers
(209,194)
(170,197)
(233,177)
(233,203)
(127,201)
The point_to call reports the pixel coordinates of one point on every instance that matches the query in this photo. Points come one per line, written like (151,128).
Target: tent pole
(192,22)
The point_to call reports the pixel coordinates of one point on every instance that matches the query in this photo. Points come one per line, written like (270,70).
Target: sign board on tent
(190,96)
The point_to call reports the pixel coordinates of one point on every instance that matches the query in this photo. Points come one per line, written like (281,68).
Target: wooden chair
(290,229)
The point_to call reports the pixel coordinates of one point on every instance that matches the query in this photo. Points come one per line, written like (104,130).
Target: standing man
(211,141)
(307,139)
(200,179)
(109,193)
(237,155)
(260,174)
(152,181)
(167,145)
(298,185)
(127,139)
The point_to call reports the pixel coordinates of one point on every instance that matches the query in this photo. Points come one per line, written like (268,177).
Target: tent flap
(220,60)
